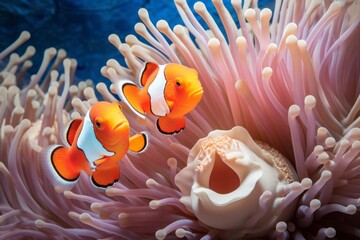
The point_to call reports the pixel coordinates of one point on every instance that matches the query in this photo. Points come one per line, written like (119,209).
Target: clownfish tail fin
(57,165)
(129,93)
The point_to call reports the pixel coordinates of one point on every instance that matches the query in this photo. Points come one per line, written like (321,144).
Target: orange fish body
(97,143)
(168,92)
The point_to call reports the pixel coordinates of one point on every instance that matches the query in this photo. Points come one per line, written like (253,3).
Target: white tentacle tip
(25,35)
(160,234)
(330,232)
(315,204)
(180,233)
(68,194)
(290,28)
(39,223)
(355,145)
(351,209)
(95,207)
(266,195)
(302,44)
(294,111)
(143,13)
(154,204)
(265,14)
(267,72)
(310,101)
(306,183)
(291,40)
(214,44)
(199,7)
(272,47)
(51,52)
(151,183)
(85,218)
(250,14)
(326,174)
(281,227)
(162,25)
(172,162)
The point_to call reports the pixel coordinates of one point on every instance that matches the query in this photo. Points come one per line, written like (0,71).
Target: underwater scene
(180,119)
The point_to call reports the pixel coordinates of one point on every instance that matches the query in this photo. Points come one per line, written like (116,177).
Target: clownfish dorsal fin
(129,93)
(138,142)
(72,129)
(148,73)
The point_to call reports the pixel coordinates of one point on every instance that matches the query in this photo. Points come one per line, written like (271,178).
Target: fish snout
(121,126)
(196,93)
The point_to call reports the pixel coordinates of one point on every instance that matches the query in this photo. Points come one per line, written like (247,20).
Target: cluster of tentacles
(292,83)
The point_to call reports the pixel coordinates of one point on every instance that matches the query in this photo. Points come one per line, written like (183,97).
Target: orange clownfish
(97,143)
(168,92)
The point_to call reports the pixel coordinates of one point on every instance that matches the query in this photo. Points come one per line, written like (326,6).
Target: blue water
(82,27)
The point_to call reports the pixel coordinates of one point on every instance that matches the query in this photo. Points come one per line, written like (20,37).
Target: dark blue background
(82,27)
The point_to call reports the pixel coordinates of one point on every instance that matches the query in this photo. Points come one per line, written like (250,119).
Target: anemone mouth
(223,179)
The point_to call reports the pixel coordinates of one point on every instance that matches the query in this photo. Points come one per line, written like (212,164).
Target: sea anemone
(293,85)
(236,185)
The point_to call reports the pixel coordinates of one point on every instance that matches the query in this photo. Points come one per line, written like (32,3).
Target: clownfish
(167,92)
(97,143)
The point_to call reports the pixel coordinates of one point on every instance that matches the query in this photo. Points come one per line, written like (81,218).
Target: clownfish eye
(99,123)
(178,83)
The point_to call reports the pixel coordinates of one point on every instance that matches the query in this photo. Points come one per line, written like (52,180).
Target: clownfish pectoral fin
(60,167)
(106,175)
(148,72)
(138,142)
(167,125)
(100,161)
(72,129)
(130,94)
(170,104)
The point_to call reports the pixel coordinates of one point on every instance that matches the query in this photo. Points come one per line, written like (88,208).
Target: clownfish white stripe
(156,90)
(89,144)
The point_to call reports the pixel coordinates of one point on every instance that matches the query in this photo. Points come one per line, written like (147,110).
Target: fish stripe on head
(156,91)
(89,144)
